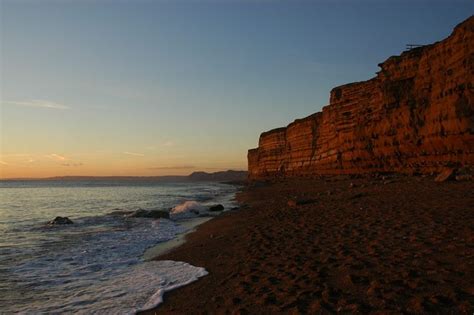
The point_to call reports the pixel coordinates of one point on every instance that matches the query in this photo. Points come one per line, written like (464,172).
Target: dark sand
(381,246)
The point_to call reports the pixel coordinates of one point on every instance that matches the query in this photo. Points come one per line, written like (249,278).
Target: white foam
(72,275)
(181,274)
(138,288)
(96,264)
(188,209)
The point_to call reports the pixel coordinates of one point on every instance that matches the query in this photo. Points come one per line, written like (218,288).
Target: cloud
(56,157)
(176,167)
(72,164)
(168,143)
(3,163)
(16,155)
(133,153)
(38,104)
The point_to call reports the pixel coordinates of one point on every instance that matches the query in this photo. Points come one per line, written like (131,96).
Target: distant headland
(222,176)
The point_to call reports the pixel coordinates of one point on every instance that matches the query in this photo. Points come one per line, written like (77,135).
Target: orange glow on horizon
(133,164)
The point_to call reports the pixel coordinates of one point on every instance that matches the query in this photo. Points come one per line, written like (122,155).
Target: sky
(165,87)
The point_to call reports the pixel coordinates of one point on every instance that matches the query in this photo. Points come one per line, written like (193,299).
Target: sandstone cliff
(415,116)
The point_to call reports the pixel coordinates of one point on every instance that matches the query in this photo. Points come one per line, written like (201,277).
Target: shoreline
(162,248)
(191,225)
(397,244)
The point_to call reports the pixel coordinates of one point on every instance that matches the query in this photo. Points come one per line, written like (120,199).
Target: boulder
(446,174)
(60,221)
(465,174)
(462,178)
(291,203)
(153,214)
(305,201)
(216,208)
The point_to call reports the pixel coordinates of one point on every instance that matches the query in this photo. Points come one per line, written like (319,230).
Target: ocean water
(95,265)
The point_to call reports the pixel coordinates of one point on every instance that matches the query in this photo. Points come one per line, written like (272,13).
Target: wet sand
(392,245)
(190,226)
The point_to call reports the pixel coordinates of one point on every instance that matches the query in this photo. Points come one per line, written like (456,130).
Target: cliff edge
(415,116)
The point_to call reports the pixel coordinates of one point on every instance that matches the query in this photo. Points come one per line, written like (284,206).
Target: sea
(98,263)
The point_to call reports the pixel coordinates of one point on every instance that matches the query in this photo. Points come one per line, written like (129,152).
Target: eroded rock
(154,214)
(216,208)
(291,203)
(445,175)
(465,174)
(60,221)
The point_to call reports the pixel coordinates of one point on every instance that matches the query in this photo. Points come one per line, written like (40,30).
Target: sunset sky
(170,87)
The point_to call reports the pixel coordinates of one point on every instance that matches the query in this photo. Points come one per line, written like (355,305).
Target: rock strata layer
(415,116)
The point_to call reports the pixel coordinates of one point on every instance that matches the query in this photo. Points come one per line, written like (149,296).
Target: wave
(188,209)
(96,265)
(179,273)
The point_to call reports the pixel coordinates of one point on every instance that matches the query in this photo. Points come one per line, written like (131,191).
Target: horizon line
(116,176)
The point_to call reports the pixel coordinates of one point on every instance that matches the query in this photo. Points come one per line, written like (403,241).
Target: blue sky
(161,87)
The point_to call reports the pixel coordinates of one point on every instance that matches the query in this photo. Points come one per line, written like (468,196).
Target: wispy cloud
(176,167)
(56,157)
(38,104)
(133,153)
(3,163)
(168,143)
(16,155)
(72,164)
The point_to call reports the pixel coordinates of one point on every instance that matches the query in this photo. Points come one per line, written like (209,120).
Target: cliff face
(415,116)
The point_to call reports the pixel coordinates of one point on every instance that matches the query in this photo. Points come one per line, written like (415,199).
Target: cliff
(415,116)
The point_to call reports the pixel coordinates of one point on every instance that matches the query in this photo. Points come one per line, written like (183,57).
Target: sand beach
(368,245)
